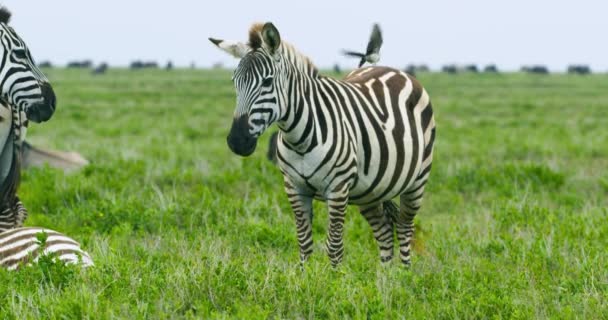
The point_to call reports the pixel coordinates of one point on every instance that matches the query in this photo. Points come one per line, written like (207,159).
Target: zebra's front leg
(336,204)
(302,209)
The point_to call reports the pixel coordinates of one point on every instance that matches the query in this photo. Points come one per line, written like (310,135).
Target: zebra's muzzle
(239,139)
(43,111)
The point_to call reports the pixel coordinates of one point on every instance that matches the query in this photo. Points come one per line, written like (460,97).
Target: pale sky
(509,33)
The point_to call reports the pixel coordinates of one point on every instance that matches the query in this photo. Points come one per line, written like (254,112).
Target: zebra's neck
(302,123)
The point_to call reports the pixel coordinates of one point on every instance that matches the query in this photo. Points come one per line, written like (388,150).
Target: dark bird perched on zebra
(24,246)
(372,53)
(363,140)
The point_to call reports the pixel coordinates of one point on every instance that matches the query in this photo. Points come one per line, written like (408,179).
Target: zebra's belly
(370,190)
(383,180)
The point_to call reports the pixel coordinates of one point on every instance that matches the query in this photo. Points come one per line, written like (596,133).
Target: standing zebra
(363,140)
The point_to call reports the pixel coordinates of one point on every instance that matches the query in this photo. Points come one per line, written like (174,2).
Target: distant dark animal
(413,69)
(579,69)
(372,53)
(138,64)
(535,69)
(84,64)
(45,64)
(450,68)
(410,69)
(422,68)
(100,69)
(471,68)
(491,68)
(337,69)
(363,140)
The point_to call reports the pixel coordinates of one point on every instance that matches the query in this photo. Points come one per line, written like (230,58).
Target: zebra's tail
(272,147)
(391,210)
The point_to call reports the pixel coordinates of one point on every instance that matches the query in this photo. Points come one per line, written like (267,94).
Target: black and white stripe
(24,246)
(363,140)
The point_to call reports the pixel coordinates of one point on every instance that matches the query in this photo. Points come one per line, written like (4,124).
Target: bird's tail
(353,54)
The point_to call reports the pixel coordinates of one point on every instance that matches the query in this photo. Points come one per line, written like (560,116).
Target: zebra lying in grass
(363,140)
(26,95)
(24,246)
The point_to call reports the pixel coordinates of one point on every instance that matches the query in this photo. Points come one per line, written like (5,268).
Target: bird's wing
(375,40)
(352,54)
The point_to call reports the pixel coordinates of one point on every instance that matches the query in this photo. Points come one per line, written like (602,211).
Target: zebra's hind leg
(410,203)
(382,226)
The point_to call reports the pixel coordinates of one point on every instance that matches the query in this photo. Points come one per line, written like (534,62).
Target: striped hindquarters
(23,246)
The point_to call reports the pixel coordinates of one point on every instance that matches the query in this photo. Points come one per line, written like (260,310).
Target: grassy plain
(514,224)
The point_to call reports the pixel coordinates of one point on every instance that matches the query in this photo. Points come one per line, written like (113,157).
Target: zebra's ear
(235,49)
(271,36)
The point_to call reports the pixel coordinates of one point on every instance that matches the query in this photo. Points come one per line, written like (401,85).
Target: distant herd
(412,69)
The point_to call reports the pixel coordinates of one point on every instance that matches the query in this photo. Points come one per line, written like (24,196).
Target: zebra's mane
(297,59)
(5,15)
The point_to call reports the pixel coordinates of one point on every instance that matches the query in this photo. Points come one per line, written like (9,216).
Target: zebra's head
(22,84)
(257,84)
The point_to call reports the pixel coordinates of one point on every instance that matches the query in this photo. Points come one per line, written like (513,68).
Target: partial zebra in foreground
(24,246)
(26,96)
(363,140)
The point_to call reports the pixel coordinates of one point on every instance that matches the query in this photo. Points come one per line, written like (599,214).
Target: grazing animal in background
(449,68)
(101,68)
(372,53)
(491,68)
(45,64)
(579,69)
(471,68)
(363,140)
(535,69)
(84,64)
(24,246)
(138,64)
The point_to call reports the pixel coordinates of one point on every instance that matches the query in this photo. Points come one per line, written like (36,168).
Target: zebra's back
(395,134)
(23,246)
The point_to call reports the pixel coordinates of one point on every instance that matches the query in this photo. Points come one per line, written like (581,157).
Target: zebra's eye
(267,82)
(19,54)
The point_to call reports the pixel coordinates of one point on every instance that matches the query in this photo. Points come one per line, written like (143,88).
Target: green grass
(514,223)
